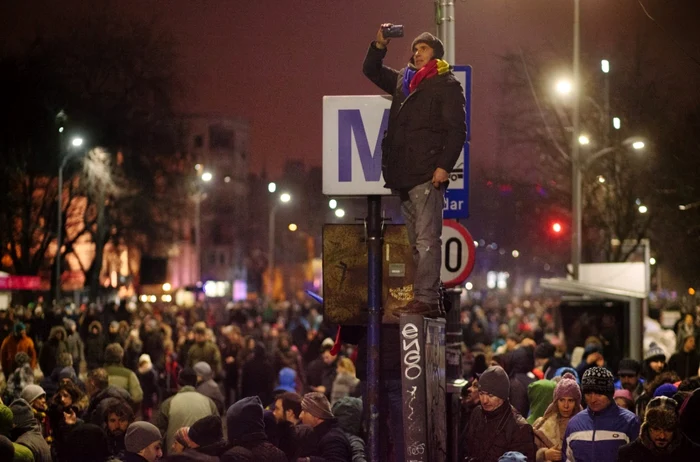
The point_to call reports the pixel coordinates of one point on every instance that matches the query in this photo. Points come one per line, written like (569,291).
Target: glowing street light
(652,261)
(564,87)
(605,66)
(285,197)
(293,227)
(340,213)
(617,123)
(272,187)
(515,254)
(583,140)
(601,179)
(76,142)
(167,287)
(332,204)
(207,177)
(643,209)
(638,145)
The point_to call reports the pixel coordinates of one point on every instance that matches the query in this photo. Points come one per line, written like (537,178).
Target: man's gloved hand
(440,176)
(382,42)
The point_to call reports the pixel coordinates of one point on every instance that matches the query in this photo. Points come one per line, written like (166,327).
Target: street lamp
(332,204)
(564,87)
(199,196)
(340,213)
(283,199)
(272,187)
(617,123)
(75,142)
(583,140)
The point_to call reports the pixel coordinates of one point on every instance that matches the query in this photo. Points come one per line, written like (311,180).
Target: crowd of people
(129,382)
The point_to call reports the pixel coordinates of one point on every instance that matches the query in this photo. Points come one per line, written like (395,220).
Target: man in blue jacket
(596,433)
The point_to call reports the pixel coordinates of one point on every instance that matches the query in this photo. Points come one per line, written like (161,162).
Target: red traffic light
(557,227)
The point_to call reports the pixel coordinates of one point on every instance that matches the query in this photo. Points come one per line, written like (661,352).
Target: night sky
(271,61)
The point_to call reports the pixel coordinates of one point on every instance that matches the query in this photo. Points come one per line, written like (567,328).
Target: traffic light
(557,228)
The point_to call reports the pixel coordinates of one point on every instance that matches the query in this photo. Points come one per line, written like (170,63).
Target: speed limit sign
(458,252)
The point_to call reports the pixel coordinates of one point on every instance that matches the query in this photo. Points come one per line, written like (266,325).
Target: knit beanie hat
(206,431)
(654,353)
(568,388)
(432,41)
(629,366)
(32,392)
(182,437)
(19,327)
(667,389)
(598,380)
(564,370)
(661,414)
(495,381)
(140,435)
(114,353)
(625,394)
(203,370)
(317,405)
(7,449)
(186,377)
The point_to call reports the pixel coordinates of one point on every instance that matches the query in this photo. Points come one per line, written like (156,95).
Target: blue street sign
(457,194)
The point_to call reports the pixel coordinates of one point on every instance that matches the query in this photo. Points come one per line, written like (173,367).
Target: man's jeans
(421,208)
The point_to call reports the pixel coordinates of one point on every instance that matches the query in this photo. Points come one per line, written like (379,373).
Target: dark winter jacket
(348,412)
(689,422)
(27,432)
(318,373)
(54,346)
(643,450)
(95,345)
(192,455)
(207,352)
(148,379)
(684,364)
(98,404)
(492,434)
(329,444)
(426,130)
(258,376)
(521,364)
(246,434)
(291,438)
(211,390)
(597,436)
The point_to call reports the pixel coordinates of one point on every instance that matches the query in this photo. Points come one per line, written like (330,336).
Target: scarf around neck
(413,77)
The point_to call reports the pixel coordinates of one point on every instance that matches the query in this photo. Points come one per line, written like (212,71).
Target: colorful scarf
(412,77)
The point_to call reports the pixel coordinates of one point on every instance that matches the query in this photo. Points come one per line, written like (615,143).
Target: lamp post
(75,143)
(283,199)
(200,195)
(576,215)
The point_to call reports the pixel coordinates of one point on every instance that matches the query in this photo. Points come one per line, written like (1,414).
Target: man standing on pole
(424,138)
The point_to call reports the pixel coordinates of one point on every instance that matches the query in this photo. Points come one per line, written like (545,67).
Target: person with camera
(423,140)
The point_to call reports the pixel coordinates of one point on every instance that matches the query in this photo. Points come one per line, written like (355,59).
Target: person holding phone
(423,140)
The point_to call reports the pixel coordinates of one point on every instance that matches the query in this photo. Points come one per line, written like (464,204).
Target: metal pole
(198,233)
(59,231)
(453,371)
(575,157)
(374,321)
(445,20)
(271,250)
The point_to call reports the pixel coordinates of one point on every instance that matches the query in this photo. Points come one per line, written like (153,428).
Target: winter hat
(512,456)
(667,390)
(562,371)
(661,414)
(22,414)
(245,416)
(654,353)
(114,353)
(7,449)
(287,380)
(568,388)
(187,377)
(32,392)
(140,435)
(19,327)
(598,380)
(629,366)
(327,342)
(203,370)
(21,358)
(145,359)
(544,350)
(317,405)
(68,373)
(495,381)
(182,437)
(206,431)
(625,394)
(432,41)
(5,420)
(540,394)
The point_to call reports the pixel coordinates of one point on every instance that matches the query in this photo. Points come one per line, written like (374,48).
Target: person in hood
(660,439)
(204,350)
(598,432)
(22,453)
(26,431)
(348,412)
(207,386)
(246,434)
(331,442)
(258,376)
(520,364)
(286,355)
(184,408)
(667,377)
(686,361)
(75,344)
(550,428)
(19,341)
(424,139)
(51,349)
(287,381)
(95,345)
(540,395)
(495,426)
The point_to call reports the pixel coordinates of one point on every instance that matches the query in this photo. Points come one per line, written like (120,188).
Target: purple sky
(271,61)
